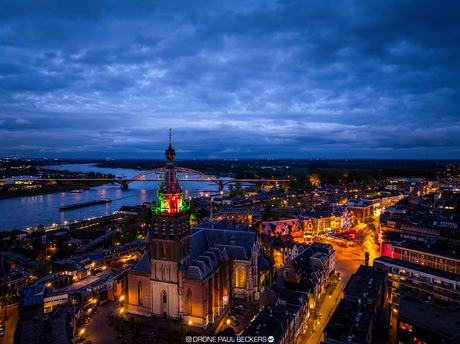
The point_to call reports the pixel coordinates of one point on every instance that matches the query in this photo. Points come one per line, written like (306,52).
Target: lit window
(140,293)
(240,277)
(189,301)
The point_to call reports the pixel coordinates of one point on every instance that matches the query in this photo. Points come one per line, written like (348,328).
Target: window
(418,341)
(189,301)
(140,291)
(405,326)
(240,277)
(164,297)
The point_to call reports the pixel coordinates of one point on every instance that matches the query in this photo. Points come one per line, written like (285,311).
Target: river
(25,212)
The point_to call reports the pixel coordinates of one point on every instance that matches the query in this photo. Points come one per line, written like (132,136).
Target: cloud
(249,79)
(23,121)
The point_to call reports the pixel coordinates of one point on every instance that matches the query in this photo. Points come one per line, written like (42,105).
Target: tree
(155,333)
(60,255)
(368,244)
(41,269)
(169,333)
(119,325)
(7,294)
(371,227)
(182,330)
(132,322)
(315,180)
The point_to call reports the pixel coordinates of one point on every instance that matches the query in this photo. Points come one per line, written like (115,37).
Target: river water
(25,212)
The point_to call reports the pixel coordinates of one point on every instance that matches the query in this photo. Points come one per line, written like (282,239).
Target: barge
(85,204)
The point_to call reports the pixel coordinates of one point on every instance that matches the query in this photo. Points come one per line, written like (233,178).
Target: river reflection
(24,212)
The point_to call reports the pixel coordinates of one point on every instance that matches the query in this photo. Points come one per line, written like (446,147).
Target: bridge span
(157,175)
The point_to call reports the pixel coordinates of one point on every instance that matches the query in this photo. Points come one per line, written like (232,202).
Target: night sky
(233,79)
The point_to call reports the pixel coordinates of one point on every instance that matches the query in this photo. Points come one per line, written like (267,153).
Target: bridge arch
(157,174)
(179,170)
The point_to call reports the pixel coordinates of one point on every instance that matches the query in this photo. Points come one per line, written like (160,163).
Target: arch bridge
(186,174)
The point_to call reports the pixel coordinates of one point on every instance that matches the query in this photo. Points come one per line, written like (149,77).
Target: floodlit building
(190,273)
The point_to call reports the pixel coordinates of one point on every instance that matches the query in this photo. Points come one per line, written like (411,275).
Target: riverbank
(47,189)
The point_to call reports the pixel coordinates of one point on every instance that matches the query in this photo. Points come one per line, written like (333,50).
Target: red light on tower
(170,197)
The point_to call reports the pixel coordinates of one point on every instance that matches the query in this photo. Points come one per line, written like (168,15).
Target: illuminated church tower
(170,196)
(172,280)
(170,247)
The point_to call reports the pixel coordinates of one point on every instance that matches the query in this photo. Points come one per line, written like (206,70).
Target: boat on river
(85,204)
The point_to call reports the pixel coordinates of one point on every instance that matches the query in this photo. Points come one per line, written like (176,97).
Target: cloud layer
(232,78)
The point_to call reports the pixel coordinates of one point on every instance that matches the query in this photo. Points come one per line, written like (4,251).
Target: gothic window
(140,293)
(189,301)
(155,229)
(171,230)
(163,297)
(241,277)
(163,229)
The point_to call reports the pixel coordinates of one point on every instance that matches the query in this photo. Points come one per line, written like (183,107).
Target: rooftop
(349,319)
(431,221)
(422,268)
(438,248)
(87,281)
(365,280)
(53,328)
(417,311)
(271,321)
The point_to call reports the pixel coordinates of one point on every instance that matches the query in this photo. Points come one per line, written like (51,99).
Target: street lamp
(81,332)
(123,322)
(190,326)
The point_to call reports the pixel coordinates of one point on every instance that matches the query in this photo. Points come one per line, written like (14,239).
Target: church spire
(170,153)
(170,196)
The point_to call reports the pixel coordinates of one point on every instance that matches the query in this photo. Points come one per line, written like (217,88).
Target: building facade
(190,273)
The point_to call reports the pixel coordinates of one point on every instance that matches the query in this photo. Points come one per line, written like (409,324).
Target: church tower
(170,242)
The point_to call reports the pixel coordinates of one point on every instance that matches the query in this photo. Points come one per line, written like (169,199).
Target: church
(191,273)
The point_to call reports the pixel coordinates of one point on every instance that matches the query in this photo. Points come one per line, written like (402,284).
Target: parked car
(235,312)
(234,322)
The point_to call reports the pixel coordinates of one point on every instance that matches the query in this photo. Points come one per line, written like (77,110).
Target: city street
(101,321)
(347,261)
(10,325)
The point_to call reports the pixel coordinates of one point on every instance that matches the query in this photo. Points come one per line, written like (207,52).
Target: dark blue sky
(232,78)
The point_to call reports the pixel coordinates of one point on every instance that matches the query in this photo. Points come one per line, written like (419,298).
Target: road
(10,325)
(347,261)
(98,330)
